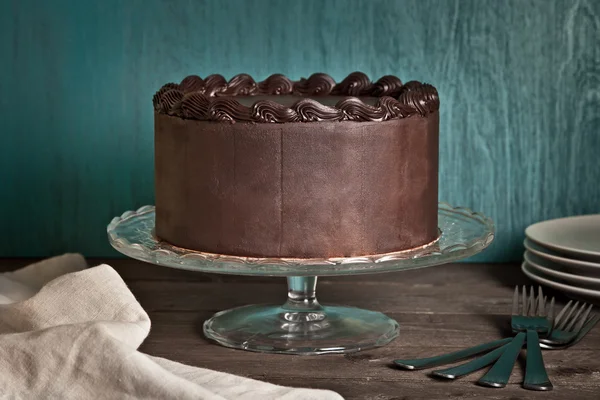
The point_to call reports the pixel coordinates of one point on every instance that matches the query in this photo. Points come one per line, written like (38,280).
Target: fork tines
(531,305)
(571,318)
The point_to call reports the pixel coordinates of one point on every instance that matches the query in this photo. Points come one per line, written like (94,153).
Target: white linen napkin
(69,332)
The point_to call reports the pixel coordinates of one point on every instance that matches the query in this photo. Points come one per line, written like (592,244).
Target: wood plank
(369,389)
(570,369)
(419,333)
(439,309)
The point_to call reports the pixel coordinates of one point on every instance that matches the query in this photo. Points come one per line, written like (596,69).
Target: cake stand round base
(277,329)
(301,325)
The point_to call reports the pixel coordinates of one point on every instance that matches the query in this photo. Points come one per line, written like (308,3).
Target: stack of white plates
(564,254)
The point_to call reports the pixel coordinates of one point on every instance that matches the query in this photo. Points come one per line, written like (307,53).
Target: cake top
(278,99)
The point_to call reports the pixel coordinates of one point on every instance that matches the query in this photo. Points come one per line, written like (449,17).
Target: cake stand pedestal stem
(302,304)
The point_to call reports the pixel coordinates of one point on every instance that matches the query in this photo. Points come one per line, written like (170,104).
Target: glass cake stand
(302,325)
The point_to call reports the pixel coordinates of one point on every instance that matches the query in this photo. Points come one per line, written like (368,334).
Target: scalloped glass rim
(463,234)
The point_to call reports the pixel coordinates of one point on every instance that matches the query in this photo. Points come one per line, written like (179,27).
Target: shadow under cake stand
(302,325)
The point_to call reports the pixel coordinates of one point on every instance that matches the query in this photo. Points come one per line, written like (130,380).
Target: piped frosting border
(212,99)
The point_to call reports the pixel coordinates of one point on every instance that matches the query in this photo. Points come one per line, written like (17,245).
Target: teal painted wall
(519,82)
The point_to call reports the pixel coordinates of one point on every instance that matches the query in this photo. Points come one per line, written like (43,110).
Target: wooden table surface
(440,309)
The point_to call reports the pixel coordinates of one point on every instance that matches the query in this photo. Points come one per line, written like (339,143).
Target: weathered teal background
(519,83)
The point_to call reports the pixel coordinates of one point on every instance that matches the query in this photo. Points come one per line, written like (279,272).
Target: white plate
(570,265)
(576,236)
(554,270)
(568,289)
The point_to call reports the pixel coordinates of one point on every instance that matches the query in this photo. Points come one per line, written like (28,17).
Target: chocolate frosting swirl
(316,85)
(431,97)
(388,85)
(214,84)
(192,83)
(157,96)
(355,109)
(229,110)
(276,84)
(240,85)
(270,111)
(195,106)
(311,111)
(170,101)
(355,84)
(394,109)
(423,98)
(195,98)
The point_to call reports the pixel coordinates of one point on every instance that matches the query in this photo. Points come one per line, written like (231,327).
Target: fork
(556,340)
(566,328)
(529,323)
(587,327)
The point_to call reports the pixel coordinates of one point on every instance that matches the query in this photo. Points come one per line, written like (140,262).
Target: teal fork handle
(421,363)
(536,377)
(499,374)
(471,366)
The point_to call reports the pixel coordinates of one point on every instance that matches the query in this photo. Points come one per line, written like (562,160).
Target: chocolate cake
(296,169)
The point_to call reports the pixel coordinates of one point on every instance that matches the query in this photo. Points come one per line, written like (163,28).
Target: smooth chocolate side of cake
(297,189)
